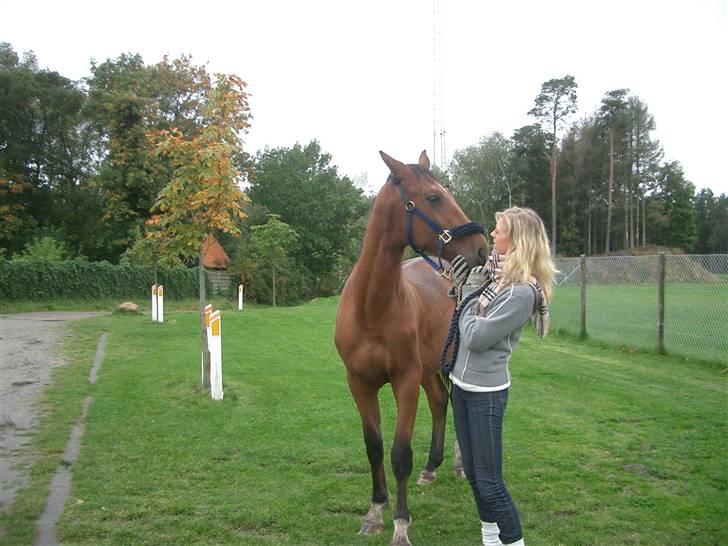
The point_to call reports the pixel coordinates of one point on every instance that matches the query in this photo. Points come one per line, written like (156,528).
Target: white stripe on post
(216,356)
(160,303)
(154,302)
(240,297)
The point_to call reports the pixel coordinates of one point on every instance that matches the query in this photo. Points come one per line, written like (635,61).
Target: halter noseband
(444,236)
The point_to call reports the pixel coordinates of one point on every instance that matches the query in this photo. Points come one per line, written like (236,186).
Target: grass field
(696,317)
(602,446)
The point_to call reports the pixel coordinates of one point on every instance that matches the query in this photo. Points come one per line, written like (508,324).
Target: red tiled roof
(215,256)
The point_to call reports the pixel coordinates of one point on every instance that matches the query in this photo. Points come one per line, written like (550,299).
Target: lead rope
(453,335)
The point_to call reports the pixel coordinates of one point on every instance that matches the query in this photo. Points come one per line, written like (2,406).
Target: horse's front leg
(406,392)
(367,403)
(437,400)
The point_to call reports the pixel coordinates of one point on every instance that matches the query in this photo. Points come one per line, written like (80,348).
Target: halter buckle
(409,205)
(445,236)
(442,272)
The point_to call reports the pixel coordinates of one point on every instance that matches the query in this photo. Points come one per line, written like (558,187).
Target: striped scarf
(485,294)
(494,266)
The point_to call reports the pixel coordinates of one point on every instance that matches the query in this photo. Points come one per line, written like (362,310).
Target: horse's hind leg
(367,403)
(437,400)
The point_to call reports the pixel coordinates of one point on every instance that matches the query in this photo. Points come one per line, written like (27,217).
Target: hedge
(40,280)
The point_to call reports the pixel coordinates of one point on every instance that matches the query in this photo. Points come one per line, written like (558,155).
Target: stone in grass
(128,307)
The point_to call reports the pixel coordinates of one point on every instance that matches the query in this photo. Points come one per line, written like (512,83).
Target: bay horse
(393,318)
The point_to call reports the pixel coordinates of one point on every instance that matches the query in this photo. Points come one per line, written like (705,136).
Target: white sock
(490,534)
(516,543)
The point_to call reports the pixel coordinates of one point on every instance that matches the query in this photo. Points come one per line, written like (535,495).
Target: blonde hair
(529,254)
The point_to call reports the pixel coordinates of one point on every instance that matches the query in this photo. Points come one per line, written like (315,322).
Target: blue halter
(444,236)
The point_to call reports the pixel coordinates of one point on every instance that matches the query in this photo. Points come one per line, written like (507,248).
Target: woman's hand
(459,269)
(477,277)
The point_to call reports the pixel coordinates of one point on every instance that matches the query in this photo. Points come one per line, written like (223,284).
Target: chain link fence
(621,302)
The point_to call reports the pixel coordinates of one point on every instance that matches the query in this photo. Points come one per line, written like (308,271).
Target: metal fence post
(582,297)
(661,304)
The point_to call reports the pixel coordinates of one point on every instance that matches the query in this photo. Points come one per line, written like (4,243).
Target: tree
(718,239)
(302,186)
(43,248)
(530,164)
(43,155)
(483,180)
(582,168)
(712,222)
(645,156)
(271,241)
(555,102)
(672,214)
(203,194)
(127,100)
(614,117)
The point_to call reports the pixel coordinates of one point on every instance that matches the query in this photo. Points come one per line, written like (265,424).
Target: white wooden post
(216,356)
(154,303)
(240,297)
(208,311)
(160,303)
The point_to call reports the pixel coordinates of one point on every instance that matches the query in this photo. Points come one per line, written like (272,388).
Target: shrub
(37,280)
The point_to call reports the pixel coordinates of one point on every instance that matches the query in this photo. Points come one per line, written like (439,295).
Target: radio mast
(439,132)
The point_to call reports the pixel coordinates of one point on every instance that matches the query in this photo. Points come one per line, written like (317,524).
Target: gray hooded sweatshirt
(487,341)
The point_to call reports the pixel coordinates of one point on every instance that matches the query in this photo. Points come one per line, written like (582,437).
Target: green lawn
(696,317)
(602,446)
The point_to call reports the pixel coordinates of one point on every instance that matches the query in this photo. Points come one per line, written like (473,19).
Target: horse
(393,318)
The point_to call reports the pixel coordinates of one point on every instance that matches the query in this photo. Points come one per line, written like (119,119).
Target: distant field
(603,447)
(696,317)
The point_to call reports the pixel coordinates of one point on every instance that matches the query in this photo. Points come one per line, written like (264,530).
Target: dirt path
(30,345)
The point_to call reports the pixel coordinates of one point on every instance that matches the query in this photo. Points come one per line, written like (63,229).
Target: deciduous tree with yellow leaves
(203,194)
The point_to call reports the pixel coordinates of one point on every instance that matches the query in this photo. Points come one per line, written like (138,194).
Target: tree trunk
(203,326)
(630,192)
(274,286)
(609,191)
(588,231)
(626,217)
(638,194)
(644,221)
(553,197)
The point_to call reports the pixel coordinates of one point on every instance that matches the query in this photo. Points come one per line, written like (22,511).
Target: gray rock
(129,307)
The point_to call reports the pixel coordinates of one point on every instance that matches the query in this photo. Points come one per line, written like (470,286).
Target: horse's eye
(434,198)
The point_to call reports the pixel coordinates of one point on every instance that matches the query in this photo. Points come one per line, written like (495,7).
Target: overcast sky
(358,76)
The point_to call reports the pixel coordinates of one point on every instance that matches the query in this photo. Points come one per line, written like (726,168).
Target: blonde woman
(498,300)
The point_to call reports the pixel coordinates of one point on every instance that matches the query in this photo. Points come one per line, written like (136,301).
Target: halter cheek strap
(444,236)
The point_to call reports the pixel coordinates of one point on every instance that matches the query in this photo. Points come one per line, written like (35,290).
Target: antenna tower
(439,149)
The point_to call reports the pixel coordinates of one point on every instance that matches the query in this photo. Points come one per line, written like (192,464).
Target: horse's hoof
(426,477)
(459,472)
(374,522)
(371,528)
(400,537)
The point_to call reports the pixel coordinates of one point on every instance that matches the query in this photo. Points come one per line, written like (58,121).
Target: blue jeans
(479,427)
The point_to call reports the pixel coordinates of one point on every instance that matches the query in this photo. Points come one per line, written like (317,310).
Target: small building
(216,264)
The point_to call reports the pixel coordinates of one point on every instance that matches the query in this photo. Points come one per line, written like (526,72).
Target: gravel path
(30,345)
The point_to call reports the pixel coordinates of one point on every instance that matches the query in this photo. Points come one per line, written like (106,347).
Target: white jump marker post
(154,303)
(216,356)
(160,303)
(208,312)
(240,297)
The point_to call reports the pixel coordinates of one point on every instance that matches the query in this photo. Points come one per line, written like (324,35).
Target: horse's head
(431,220)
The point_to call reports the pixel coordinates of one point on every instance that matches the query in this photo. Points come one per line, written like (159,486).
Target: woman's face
(501,241)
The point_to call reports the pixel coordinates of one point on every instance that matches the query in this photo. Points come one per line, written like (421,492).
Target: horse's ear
(424,160)
(397,168)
